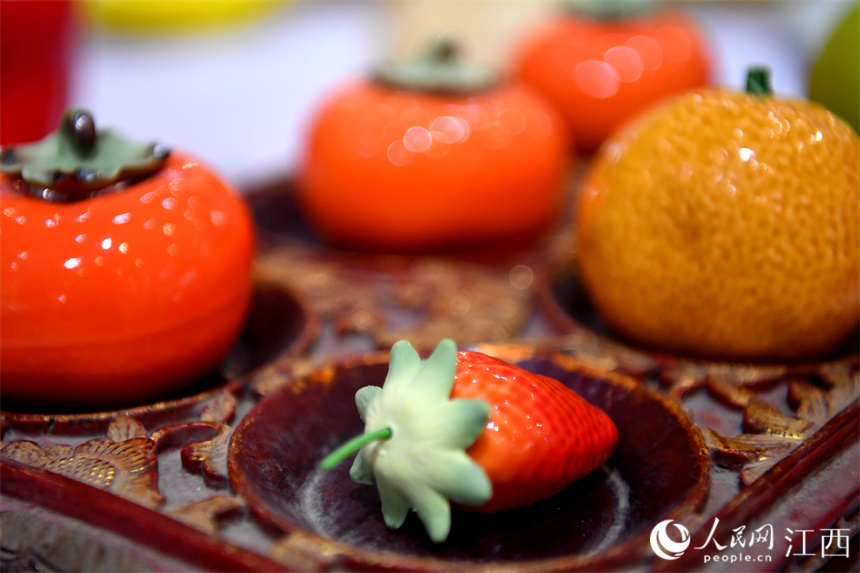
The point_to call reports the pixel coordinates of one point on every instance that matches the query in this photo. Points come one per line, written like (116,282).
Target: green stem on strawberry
(352,446)
(415,440)
(758,82)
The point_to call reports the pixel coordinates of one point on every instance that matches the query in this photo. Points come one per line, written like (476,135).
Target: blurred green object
(835,79)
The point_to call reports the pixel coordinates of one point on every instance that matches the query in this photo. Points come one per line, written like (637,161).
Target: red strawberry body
(540,437)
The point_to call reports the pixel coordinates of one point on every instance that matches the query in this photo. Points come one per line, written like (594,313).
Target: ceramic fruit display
(36,49)
(125,268)
(603,62)
(835,78)
(175,16)
(432,154)
(467,428)
(726,224)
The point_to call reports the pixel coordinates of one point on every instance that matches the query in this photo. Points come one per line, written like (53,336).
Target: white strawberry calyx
(415,439)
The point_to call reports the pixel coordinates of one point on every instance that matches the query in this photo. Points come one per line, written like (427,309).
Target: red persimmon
(122,295)
(601,71)
(409,166)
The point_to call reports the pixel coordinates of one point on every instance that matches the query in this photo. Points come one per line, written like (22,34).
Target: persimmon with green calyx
(604,61)
(125,269)
(432,155)
(467,428)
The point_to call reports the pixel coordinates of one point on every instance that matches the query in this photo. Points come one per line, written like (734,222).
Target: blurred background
(236,82)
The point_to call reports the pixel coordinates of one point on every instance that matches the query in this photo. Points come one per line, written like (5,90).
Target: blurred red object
(36,49)
(602,69)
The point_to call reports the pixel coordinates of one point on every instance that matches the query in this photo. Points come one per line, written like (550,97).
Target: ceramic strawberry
(470,429)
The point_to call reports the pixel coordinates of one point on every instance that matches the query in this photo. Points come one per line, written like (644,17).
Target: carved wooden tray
(148,488)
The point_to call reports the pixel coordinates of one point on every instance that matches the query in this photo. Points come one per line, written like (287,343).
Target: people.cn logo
(665,547)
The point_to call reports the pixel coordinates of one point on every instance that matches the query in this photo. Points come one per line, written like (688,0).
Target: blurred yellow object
(175,16)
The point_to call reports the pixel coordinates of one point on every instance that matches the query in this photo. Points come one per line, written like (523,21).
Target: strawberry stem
(352,446)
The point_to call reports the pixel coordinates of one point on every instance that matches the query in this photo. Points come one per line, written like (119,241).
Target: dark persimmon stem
(79,127)
(609,10)
(353,446)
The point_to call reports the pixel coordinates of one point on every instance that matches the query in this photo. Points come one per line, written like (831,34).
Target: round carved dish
(569,311)
(659,470)
(277,324)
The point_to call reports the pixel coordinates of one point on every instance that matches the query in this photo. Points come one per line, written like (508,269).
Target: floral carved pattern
(420,299)
(221,408)
(203,448)
(769,434)
(304,552)
(769,431)
(124,462)
(207,514)
(32,543)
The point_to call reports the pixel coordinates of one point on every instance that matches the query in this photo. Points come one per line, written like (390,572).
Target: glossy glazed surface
(726,226)
(600,73)
(396,170)
(122,297)
(540,437)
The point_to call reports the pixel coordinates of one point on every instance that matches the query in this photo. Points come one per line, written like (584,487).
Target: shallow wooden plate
(659,470)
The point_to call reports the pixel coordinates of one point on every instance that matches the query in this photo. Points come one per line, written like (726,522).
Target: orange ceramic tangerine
(726,225)
(407,163)
(116,295)
(602,68)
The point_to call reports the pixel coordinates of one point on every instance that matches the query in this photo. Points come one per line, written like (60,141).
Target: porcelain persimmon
(402,162)
(603,68)
(117,294)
